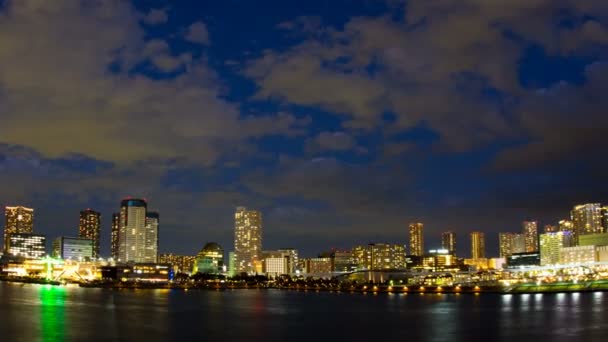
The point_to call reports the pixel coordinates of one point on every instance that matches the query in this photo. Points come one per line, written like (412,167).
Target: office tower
(551,245)
(89,228)
(137,232)
(379,256)
(247,240)
(31,246)
(77,249)
(448,242)
(151,237)
(17,220)
(416,239)
(586,219)
(210,259)
(530,231)
(114,243)
(505,244)
(478,245)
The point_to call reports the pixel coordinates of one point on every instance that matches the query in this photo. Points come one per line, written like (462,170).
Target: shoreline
(524,288)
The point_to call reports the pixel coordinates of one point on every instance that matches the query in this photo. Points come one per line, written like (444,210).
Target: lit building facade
(448,242)
(31,246)
(179,263)
(138,232)
(17,219)
(210,259)
(379,256)
(586,219)
(478,245)
(564,225)
(523,259)
(247,240)
(440,260)
(600,239)
(551,245)
(114,241)
(416,231)
(343,261)
(89,228)
(78,249)
(293,259)
(505,244)
(530,231)
(578,255)
(317,266)
(549,228)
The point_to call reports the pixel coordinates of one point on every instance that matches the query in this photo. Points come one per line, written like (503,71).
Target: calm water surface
(48,313)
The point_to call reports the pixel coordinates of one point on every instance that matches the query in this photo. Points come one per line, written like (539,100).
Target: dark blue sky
(342,121)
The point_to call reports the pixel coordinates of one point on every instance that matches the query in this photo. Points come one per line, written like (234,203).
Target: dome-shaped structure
(210,259)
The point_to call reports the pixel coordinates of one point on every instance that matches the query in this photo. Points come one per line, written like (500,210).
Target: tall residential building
(379,256)
(151,237)
(551,245)
(137,232)
(247,240)
(505,244)
(89,228)
(530,231)
(18,220)
(114,242)
(417,239)
(478,245)
(519,243)
(31,246)
(586,219)
(448,242)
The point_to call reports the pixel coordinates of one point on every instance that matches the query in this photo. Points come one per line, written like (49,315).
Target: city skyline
(340,121)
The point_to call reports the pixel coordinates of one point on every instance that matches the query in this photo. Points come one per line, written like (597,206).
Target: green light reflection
(52,315)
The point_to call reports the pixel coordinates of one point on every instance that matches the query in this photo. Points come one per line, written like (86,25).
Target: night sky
(342,121)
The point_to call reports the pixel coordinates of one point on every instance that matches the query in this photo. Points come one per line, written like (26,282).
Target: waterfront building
(70,248)
(141,272)
(317,266)
(551,245)
(231,263)
(437,260)
(114,241)
(343,261)
(416,231)
(17,220)
(210,259)
(586,219)
(530,232)
(523,259)
(179,263)
(505,244)
(478,245)
(276,263)
(379,256)
(497,263)
(477,263)
(247,240)
(448,241)
(293,259)
(578,255)
(89,228)
(138,232)
(600,239)
(31,246)
(519,243)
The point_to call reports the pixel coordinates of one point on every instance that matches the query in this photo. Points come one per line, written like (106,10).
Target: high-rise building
(530,231)
(505,244)
(73,248)
(114,243)
(151,236)
(89,228)
(416,239)
(17,220)
(293,259)
(247,240)
(519,243)
(478,245)
(379,256)
(551,245)
(179,263)
(31,246)
(586,219)
(448,242)
(138,232)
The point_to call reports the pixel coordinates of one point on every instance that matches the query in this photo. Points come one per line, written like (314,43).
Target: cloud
(197,33)
(71,82)
(332,141)
(156,16)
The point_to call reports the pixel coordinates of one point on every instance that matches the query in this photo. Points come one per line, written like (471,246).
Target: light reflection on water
(80,314)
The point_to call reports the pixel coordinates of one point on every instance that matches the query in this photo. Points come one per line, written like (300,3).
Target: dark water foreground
(30,312)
